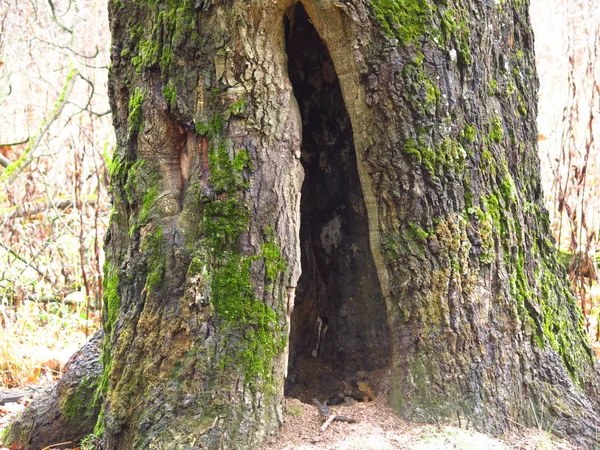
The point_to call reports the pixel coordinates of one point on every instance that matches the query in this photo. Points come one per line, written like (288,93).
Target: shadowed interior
(339,333)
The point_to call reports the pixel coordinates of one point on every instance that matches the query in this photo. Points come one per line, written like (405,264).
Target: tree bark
(203,252)
(66,412)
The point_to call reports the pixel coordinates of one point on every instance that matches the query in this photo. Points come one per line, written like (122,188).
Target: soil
(378,428)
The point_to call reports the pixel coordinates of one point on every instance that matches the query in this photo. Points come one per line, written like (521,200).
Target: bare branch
(14,169)
(24,261)
(4,161)
(68,30)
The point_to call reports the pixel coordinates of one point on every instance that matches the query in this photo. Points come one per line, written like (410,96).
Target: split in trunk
(339,333)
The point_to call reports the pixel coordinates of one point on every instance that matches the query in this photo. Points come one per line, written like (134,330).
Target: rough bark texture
(66,412)
(204,244)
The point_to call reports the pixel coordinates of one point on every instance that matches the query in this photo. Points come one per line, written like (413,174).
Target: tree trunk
(66,412)
(387,149)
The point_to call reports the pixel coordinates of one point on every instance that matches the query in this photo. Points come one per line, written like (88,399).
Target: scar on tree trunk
(339,333)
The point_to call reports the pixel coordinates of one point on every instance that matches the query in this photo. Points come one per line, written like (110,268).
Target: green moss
(448,156)
(469,133)
(174,25)
(152,245)
(250,323)
(237,109)
(420,152)
(511,88)
(182,21)
(456,29)
(134,119)
(211,129)
(271,255)
(197,266)
(556,323)
(522,105)
(452,156)
(422,93)
(493,87)
(507,188)
(485,228)
(89,442)
(488,163)
(111,299)
(148,52)
(540,299)
(148,202)
(226,175)
(405,20)
(79,405)
(223,222)
(496,130)
(170,94)
(235,303)
(418,232)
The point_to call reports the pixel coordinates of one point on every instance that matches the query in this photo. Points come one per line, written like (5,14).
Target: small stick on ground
(328,415)
(330,419)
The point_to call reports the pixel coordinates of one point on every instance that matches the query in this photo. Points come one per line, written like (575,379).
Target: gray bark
(67,411)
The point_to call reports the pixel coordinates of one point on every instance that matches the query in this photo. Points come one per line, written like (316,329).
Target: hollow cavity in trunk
(339,334)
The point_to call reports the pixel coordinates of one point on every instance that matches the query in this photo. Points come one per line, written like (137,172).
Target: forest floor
(378,428)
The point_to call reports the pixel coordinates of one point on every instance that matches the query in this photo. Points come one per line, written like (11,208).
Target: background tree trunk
(432,146)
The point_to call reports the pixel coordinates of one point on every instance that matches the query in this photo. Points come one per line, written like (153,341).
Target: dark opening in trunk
(339,334)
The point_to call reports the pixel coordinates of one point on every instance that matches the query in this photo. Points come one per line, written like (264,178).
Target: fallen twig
(330,419)
(328,415)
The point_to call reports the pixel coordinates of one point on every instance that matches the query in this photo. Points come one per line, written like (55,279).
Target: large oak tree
(350,185)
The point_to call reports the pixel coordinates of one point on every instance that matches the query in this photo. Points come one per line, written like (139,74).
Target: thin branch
(31,210)
(14,169)
(14,144)
(5,162)
(24,261)
(68,30)
(66,47)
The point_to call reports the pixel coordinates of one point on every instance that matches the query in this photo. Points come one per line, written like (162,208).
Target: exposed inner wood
(338,326)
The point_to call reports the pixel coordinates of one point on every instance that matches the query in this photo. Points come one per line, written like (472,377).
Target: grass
(37,339)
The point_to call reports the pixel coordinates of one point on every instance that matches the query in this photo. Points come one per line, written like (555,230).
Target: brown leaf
(364,387)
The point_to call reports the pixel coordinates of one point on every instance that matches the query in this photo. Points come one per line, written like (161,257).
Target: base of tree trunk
(68,411)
